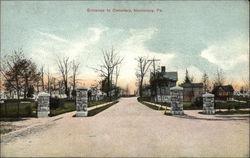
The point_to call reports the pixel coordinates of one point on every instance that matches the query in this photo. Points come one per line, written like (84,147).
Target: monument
(43,109)
(176,94)
(82,102)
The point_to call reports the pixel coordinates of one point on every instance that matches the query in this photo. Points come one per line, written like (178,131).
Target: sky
(200,36)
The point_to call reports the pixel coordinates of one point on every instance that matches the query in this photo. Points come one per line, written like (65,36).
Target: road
(130,129)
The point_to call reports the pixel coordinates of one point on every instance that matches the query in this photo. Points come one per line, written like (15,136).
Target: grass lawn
(190,106)
(94,103)
(100,109)
(67,106)
(151,106)
(233,112)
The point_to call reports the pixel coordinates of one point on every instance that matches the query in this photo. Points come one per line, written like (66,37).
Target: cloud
(135,46)
(46,47)
(193,71)
(227,55)
(53,37)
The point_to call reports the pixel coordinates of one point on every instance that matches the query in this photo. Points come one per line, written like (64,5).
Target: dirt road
(131,129)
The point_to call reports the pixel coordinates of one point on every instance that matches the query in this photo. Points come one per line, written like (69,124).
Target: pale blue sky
(198,35)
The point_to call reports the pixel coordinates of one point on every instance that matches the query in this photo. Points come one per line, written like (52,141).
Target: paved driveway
(130,129)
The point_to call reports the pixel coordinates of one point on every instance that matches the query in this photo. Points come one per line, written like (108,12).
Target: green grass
(241,98)
(11,119)
(151,106)
(94,103)
(233,112)
(231,105)
(100,109)
(67,106)
(190,106)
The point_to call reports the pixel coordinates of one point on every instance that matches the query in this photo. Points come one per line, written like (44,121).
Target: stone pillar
(208,103)
(176,94)
(82,102)
(43,105)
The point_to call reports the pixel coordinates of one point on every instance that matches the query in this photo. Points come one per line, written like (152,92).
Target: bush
(56,102)
(198,102)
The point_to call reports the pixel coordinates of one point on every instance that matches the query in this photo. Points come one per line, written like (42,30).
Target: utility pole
(154,77)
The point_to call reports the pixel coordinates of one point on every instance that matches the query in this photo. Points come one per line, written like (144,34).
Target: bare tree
(219,78)
(142,69)
(205,82)
(75,67)
(42,76)
(106,69)
(117,73)
(48,81)
(64,68)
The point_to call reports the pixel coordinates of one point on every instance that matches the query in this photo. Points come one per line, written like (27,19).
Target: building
(161,83)
(191,91)
(223,92)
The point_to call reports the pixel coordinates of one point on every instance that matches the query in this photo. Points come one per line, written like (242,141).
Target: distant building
(161,83)
(191,91)
(223,92)
(95,94)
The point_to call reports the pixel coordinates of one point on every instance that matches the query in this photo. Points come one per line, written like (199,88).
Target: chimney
(163,69)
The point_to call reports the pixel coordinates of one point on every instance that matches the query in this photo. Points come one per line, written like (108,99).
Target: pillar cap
(208,95)
(43,94)
(82,88)
(176,88)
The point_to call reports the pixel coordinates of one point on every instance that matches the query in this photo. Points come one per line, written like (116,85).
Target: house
(191,91)
(223,92)
(161,83)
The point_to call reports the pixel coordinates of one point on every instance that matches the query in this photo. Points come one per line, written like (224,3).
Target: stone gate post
(176,94)
(208,103)
(43,109)
(81,102)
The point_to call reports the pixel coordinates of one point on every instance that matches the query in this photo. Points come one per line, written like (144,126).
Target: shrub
(198,102)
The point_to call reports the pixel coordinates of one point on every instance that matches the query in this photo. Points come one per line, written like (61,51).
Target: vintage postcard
(124,78)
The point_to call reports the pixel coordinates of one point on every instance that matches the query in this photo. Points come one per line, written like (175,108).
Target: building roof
(170,75)
(192,85)
(228,88)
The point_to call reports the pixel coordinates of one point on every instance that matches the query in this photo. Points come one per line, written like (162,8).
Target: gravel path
(130,129)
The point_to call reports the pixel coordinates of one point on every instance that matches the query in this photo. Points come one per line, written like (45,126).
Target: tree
(42,76)
(19,73)
(188,79)
(142,69)
(64,68)
(219,78)
(205,82)
(75,67)
(106,69)
(30,91)
(48,81)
